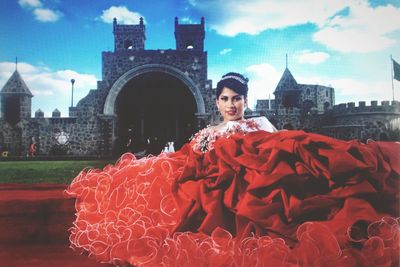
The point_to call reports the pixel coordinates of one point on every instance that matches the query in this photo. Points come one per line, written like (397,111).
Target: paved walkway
(34,222)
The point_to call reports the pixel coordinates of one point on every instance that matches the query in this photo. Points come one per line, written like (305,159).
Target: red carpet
(34,222)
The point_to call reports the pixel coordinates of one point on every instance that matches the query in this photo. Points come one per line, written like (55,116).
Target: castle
(163,95)
(312,108)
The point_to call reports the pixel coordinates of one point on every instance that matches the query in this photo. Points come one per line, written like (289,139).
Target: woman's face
(231,105)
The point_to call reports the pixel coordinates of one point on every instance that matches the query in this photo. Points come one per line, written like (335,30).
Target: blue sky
(345,44)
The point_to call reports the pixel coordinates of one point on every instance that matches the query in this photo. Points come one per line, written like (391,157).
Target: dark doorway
(12,109)
(153,109)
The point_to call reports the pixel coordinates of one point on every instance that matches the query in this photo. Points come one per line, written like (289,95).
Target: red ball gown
(240,195)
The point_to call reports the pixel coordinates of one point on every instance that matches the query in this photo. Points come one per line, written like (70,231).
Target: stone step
(44,255)
(37,214)
(34,222)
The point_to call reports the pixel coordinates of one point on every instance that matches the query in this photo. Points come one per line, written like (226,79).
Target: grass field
(45,171)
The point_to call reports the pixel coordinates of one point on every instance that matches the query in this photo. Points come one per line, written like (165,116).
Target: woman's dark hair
(234,81)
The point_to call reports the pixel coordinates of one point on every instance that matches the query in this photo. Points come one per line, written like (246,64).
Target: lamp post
(72,96)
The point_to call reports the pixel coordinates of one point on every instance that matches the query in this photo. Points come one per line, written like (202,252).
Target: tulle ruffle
(124,206)
(317,246)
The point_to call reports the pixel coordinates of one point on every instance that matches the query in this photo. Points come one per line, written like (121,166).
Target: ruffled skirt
(263,199)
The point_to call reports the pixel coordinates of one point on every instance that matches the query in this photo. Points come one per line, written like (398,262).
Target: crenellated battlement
(362,108)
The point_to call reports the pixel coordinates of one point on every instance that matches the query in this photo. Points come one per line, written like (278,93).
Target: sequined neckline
(204,140)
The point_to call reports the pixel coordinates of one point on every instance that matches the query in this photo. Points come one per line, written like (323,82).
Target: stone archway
(152,104)
(109,105)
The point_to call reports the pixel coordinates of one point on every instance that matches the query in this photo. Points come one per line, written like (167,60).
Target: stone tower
(287,92)
(15,100)
(294,103)
(132,75)
(129,37)
(189,36)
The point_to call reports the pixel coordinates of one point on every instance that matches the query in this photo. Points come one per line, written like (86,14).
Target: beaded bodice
(204,140)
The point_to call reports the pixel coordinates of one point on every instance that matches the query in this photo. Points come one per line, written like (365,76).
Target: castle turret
(129,37)
(39,113)
(56,114)
(287,91)
(189,36)
(16,99)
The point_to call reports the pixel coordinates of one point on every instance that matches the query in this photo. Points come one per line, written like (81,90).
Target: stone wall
(129,37)
(378,122)
(87,132)
(263,104)
(351,108)
(322,97)
(16,139)
(343,121)
(26,106)
(192,63)
(288,117)
(88,136)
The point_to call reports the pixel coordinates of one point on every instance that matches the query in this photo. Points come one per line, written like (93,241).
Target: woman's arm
(265,125)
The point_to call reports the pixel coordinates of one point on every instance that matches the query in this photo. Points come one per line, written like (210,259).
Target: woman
(242,194)
(32,148)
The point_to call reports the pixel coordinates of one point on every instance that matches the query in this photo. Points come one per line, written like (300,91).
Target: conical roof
(287,82)
(16,85)
(56,113)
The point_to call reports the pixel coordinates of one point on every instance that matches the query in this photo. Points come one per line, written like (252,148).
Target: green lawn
(45,171)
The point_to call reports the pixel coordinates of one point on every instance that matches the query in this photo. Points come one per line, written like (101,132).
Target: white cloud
(40,12)
(186,20)
(364,29)
(123,15)
(46,15)
(361,28)
(263,79)
(225,51)
(255,16)
(51,89)
(309,57)
(30,3)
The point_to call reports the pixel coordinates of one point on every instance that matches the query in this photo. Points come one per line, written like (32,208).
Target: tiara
(234,77)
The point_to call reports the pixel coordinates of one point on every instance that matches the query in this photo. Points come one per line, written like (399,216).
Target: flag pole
(391,70)
(269,101)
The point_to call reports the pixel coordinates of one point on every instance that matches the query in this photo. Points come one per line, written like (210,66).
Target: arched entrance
(154,106)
